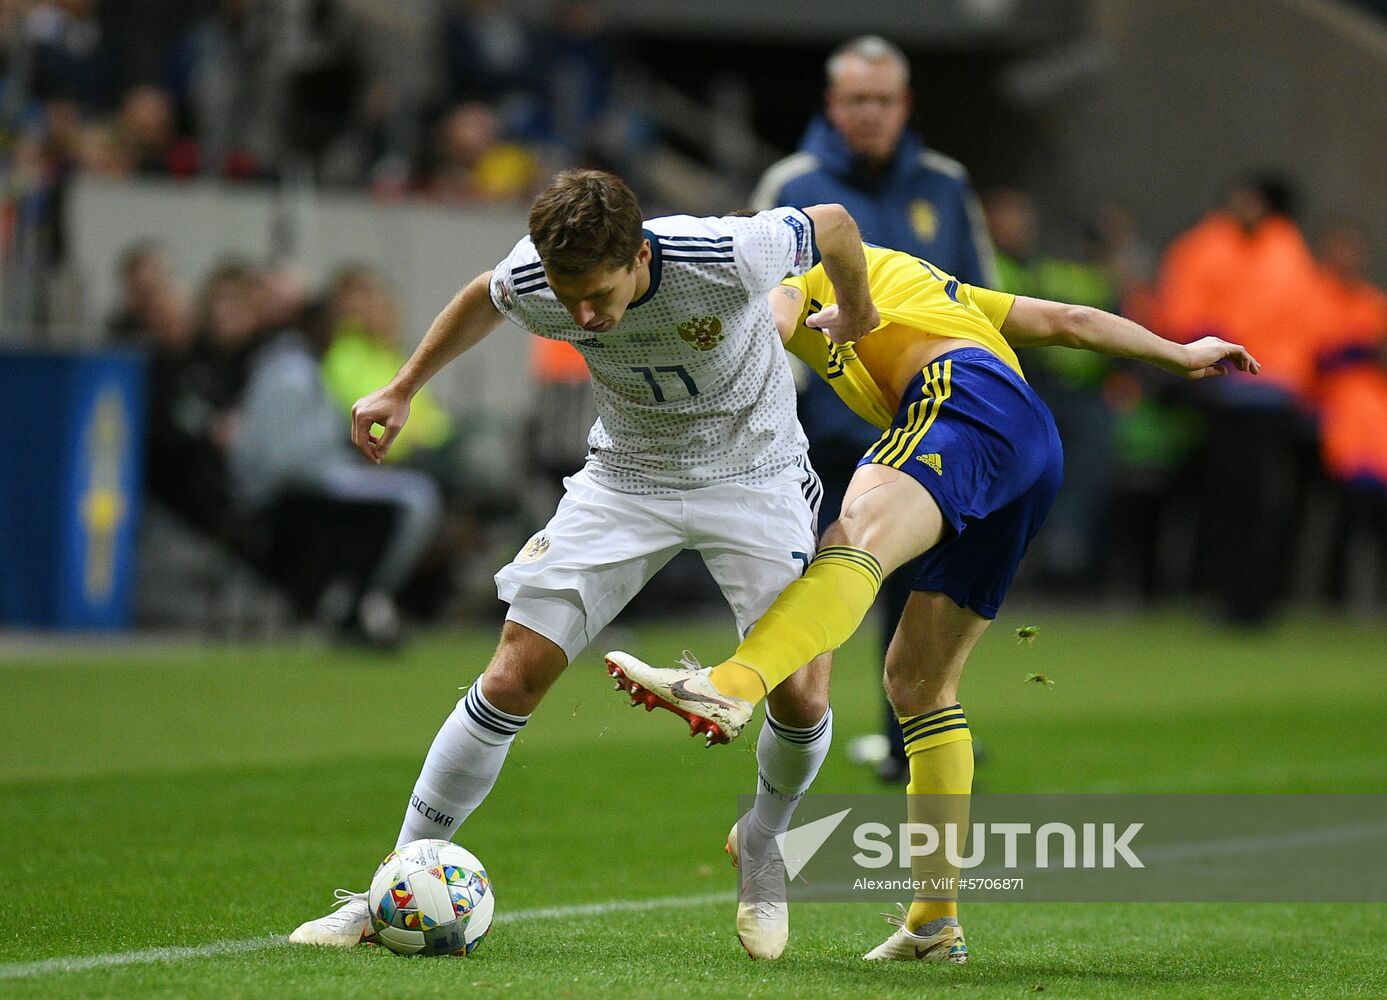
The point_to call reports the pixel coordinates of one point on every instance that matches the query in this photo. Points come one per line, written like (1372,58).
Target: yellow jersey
(917,302)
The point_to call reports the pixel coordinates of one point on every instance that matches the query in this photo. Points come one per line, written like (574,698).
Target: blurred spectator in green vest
(365,353)
(1071,382)
(1025,270)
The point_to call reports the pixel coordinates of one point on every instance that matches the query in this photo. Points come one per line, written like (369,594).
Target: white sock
(787,761)
(460,768)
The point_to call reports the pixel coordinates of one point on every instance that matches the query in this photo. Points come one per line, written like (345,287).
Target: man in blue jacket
(903,195)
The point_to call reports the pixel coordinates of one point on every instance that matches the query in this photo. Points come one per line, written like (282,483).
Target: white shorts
(601,547)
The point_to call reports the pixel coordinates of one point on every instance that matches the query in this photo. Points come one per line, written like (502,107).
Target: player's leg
(888,519)
(921,485)
(462,763)
(563,587)
(793,743)
(755,542)
(471,746)
(959,589)
(923,667)
(567,583)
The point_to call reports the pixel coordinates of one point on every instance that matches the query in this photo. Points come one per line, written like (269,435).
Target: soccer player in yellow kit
(965,471)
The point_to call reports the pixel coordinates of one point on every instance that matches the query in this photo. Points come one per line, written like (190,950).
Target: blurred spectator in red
(1245,274)
(472,163)
(1353,365)
(148,134)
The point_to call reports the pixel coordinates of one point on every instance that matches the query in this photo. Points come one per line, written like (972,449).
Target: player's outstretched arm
(462,324)
(1041,323)
(845,263)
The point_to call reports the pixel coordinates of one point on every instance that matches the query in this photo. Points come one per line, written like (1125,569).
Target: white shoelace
(340,916)
(689,662)
(897,919)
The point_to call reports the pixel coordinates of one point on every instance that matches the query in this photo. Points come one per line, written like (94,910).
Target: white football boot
(763,918)
(345,927)
(686,691)
(943,943)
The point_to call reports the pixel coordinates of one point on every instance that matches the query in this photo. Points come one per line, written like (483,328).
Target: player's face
(598,299)
(869,104)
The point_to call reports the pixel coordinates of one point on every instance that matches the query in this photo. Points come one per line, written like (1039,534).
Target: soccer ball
(431,897)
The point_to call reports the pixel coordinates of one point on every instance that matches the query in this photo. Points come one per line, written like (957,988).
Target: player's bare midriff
(901,352)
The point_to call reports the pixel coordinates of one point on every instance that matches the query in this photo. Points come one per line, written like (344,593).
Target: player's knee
(802,699)
(521,670)
(834,534)
(851,528)
(913,689)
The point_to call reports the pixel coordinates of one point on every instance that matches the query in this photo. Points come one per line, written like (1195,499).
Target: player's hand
(844,327)
(1210,358)
(388,407)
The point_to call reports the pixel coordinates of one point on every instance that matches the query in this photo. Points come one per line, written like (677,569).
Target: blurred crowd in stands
(1174,489)
(1244,489)
(1241,489)
(456,100)
(250,388)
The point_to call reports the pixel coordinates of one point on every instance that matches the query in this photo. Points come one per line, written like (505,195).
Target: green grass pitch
(210,798)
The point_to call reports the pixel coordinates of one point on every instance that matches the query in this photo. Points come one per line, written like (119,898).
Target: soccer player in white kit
(696,446)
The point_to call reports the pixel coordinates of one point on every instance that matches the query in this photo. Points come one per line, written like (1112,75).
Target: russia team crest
(702,333)
(534,549)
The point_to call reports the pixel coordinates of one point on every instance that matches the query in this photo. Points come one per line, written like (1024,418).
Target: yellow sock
(816,613)
(939,748)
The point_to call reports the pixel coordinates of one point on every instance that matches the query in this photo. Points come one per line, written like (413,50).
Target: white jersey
(692,386)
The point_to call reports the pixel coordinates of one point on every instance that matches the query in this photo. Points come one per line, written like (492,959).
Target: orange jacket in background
(556,361)
(1353,391)
(1257,289)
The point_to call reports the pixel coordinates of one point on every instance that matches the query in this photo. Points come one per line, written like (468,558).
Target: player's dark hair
(586,220)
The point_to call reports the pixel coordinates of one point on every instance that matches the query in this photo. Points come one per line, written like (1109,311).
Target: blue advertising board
(70,482)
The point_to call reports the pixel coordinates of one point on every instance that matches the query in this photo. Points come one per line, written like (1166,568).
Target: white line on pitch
(146,956)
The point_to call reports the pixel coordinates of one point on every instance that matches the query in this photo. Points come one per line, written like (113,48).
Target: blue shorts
(973,433)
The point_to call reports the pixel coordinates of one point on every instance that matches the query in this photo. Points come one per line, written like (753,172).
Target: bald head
(872,50)
(868,97)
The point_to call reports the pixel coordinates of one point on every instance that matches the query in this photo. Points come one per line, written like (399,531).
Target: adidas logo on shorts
(933,461)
